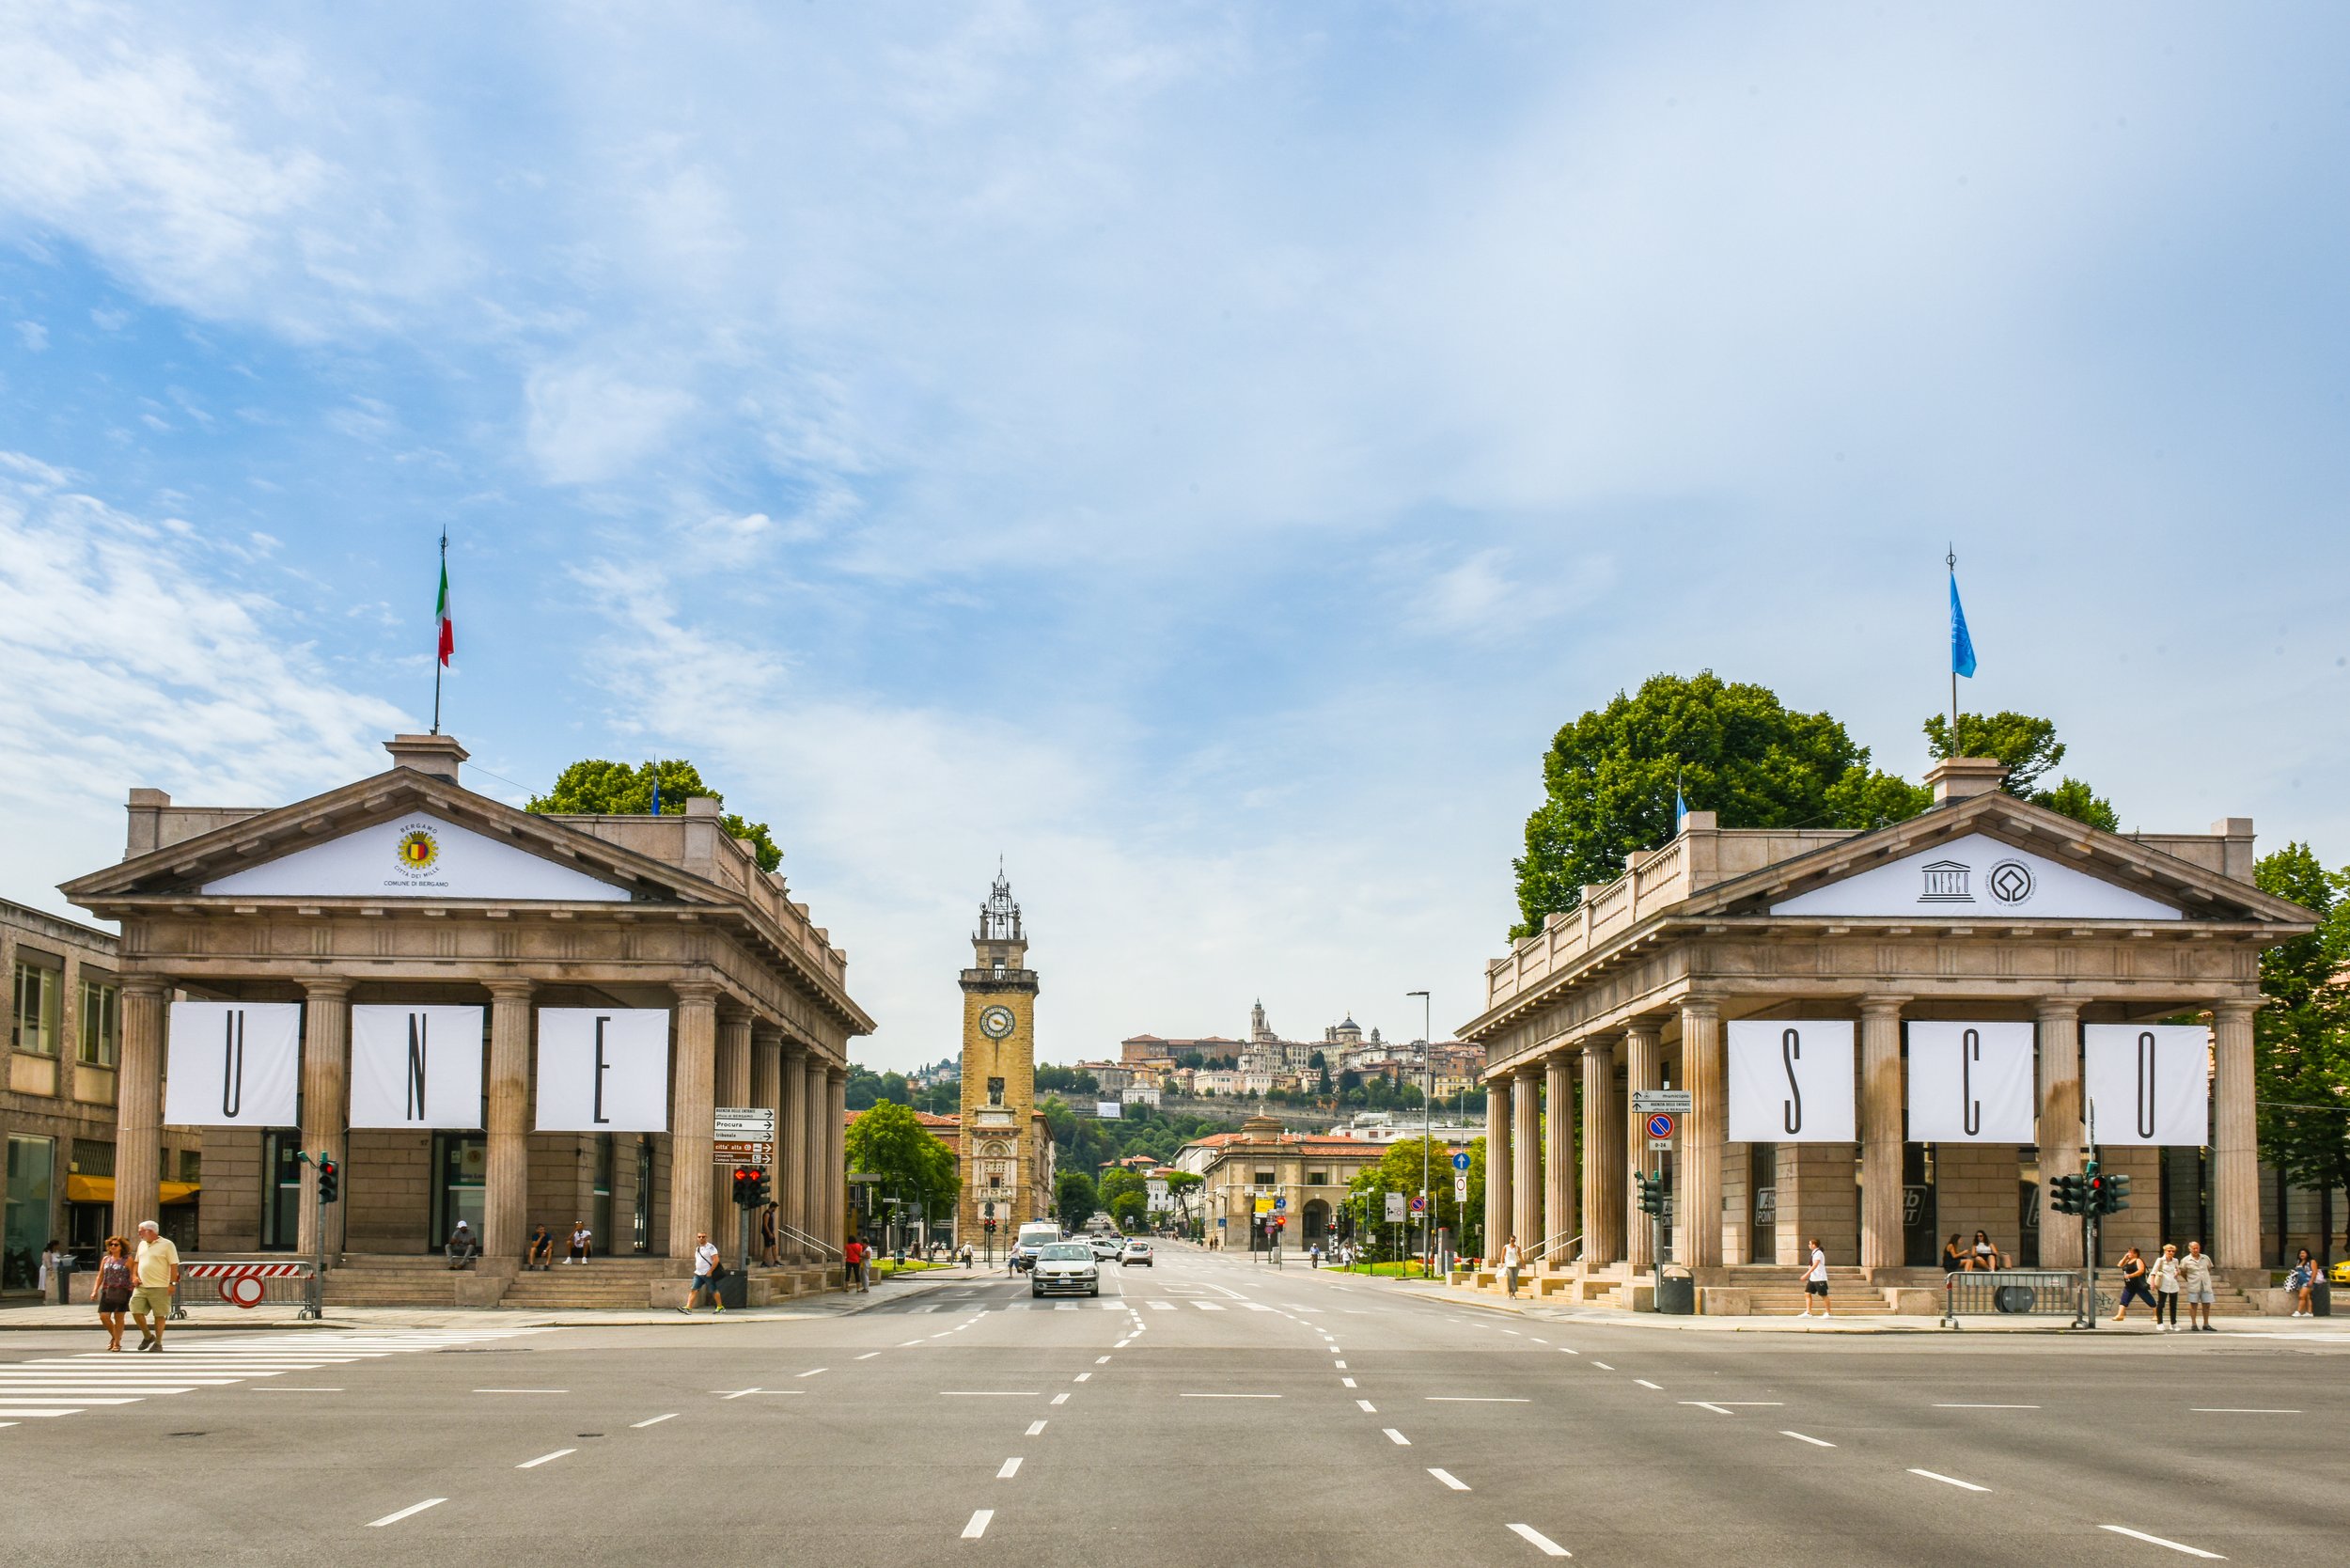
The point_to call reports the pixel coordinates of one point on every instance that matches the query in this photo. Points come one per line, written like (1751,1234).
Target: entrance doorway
(1920,1249)
(24,1224)
(461,1161)
(1762,1189)
(640,1217)
(281,1190)
(1317,1221)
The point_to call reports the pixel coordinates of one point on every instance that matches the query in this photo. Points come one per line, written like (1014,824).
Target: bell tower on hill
(1001,1178)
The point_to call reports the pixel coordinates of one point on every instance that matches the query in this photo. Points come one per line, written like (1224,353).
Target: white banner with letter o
(603,1070)
(415,1067)
(1970,1083)
(1791,1081)
(2147,1083)
(232,1064)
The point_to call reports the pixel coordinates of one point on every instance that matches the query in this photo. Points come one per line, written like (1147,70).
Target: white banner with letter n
(603,1070)
(1970,1083)
(1791,1081)
(2147,1083)
(232,1064)
(415,1067)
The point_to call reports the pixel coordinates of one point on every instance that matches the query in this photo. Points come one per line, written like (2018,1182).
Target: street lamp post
(1427,1088)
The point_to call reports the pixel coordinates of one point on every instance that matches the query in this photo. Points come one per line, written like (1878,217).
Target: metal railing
(792,1232)
(2014,1293)
(274,1281)
(1545,1248)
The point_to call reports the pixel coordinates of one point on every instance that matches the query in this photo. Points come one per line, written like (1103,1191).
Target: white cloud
(34,336)
(589,423)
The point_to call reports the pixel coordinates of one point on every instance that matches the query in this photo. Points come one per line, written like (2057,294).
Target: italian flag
(448,627)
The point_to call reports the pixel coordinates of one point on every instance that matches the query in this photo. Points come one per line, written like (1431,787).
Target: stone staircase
(1778,1291)
(407,1279)
(599,1282)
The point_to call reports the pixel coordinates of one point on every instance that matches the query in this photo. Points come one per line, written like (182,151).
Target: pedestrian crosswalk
(50,1386)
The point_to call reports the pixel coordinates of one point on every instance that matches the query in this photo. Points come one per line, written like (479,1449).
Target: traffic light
(330,1178)
(2068,1193)
(2112,1193)
(750,1186)
(1651,1192)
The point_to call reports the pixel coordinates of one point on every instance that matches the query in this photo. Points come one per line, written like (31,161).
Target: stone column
(325,1103)
(1643,1068)
(1603,1158)
(1499,1208)
(791,1149)
(691,1104)
(1558,1170)
(505,1179)
(1881,1132)
(836,1154)
(1699,1201)
(2058,1021)
(2236,1198)
(139,1105)
(730,1086)
(814,1097)
(1525,1147)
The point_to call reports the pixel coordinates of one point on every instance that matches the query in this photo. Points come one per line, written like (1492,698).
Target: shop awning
(101,1189)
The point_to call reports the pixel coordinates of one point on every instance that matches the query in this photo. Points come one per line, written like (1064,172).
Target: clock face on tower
(996,1022)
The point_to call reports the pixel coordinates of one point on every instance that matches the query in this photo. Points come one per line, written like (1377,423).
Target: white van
(1034,1236)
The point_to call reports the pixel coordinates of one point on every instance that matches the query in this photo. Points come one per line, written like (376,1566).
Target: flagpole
(1950,560)
(437,662)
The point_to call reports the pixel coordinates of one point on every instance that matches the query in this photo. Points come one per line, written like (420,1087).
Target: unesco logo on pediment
(2011,881)
(1946,882)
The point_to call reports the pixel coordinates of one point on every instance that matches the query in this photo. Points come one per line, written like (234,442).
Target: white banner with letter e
(415,1067)
(1970,1083)
(1791,1081)
(2147,1083)
(603,1070)
(232,1064)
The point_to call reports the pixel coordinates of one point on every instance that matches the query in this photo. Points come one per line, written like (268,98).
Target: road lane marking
(76,1398)
(1161,1306)
(869,1356)
(978,1527)
(22,1411)
(280,1388)
(1338,1366)
(544,1459)
(2239,1410)
(992,1393)
(1101,1360)
(1986,1408)
(1448,1479)
(908,1345)
(1011,1468)
(655,1421)
(1228,1396)
(1543,1542)
(1474,1399)
(1948,1480)
(1602,1366)
(412,1508)
(1081,1377)
(1366,1407)
(1646,1384)
(1703,1405)
(2158,1540)
(518,1391)
(1398,1438)
(1209,1306)
(1815,1442)
(1564,1351)
(813,1370)
(1513,1334)
(1346,1382)
(1035,1428)
(1060,1399)
(737,1393)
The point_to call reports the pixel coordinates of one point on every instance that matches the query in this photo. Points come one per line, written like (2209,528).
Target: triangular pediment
(1974,876)
(415,855)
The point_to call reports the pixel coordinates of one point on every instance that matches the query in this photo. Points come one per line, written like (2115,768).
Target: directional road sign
(727,1151)
(1673,1099)
(748,1124)
(1460,1161)
(1459,1189)
(1395,1208)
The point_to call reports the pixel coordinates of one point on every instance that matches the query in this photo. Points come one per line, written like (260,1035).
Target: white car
(1106,1247)
(1065,1266)
(1137,1252)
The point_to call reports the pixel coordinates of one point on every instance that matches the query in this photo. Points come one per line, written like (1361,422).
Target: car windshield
(1064,1251)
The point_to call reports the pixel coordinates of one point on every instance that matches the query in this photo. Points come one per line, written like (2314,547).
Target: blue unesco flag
(1961,646)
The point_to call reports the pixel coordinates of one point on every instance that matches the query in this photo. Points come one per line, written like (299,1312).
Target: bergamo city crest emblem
(419,851)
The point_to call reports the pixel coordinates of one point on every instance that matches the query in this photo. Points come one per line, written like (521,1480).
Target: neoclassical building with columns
(1891,974)
(408,891)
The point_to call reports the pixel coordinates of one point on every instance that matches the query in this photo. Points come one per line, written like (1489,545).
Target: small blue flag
(656,791)
(1961,646)
(1680,806)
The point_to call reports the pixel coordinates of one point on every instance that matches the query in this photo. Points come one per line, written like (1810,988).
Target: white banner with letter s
(232,1064)
(415,1067)
(603,1070)
(2148,1083)
(1970,1083)
(1791,1081)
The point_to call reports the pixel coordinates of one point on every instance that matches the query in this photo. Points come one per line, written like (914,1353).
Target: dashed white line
(1948,1480)
(654,1421)
(1398,1438)
(1060,1399)
(2238,1410)
(978,1527)
(1366,1407)
(412,1508)
(1646,1384)
(1600,1365)
(813,1370)
(1815,1442)
(1346,1382)
(544,1459)
(2158,1540)
(1448,1479)
(1101,1360)
(1035,1428)
(869,1356)
(1986,1408)
(1543,1542)
(1011,1468)
(1474,1399)
(1081,1377)
(1228,1396)
(518,1391)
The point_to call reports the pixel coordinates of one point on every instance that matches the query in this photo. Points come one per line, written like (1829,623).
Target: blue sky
(1197,454)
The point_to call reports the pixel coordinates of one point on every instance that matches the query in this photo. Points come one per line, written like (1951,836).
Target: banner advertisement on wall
(232,1064)
(603,1070)
(1970,1083)
(417,1066)
(1791,1081)
(2147,1083)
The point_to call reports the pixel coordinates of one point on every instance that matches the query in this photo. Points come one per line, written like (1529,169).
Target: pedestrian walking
(540,1254)
(581,1237)
(2134,1284)
(2195,1284)
(1510,1267)
(1815,1279)
(2164,1270)
(53,1266)
(707,1273)
(111,1289)
(853,1257)
(768,1252)
(2302,1281)
(155,1271)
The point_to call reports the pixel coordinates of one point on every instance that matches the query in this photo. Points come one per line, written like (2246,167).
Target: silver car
(1067,1267)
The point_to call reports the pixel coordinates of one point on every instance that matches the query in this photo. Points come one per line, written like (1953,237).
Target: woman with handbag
(2301,1281)
(110,1287)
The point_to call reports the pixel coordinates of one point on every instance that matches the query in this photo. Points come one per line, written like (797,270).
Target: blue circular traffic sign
(1660,1124)
(1460,1161)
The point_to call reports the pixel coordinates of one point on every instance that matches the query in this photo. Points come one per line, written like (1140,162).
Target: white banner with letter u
(2147,1083)
(1970,1083)
(232,1064)
(1791,1081)
(603,1070)
(415,1067)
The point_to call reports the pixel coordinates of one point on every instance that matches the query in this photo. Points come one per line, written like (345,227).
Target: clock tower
(1002,1175)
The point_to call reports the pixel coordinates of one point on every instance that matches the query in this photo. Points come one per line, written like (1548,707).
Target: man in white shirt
(157,1273)
(706,1273)
(1815,1280)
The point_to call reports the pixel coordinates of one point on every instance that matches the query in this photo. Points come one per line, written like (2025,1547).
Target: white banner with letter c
(1791,1081)
(1970,1083)
(2147,1083)
(603,1070)
(416,1067)
(232,1064)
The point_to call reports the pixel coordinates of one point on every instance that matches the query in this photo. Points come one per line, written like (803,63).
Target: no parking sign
(1660,1126)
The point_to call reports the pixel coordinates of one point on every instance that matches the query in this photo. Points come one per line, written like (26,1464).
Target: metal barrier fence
(273,1283)
(2011,1292)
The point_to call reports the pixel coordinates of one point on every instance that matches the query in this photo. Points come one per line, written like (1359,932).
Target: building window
(191,1164)
(1264,1178)
(92,1157)
(1316,1178)
(995,1091)
(34,1022)
(100,1023)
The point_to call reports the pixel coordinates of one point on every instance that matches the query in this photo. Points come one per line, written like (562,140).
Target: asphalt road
(1205,1411)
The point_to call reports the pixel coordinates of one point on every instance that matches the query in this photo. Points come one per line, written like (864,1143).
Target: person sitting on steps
(463,1248)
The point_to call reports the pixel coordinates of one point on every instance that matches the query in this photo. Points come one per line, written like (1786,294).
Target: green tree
(1129,1210)
(890,1142)
(1399,1171)
(1075,1199)
(2301,1038)
(1117,1182)
(1608,781)
(2030,748)
(593,787)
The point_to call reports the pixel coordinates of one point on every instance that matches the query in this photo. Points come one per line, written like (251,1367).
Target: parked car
(1067,1267)
(2339,1274)
(1135,1251)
